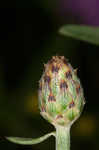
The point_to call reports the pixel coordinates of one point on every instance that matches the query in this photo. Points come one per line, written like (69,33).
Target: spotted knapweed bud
(61,98)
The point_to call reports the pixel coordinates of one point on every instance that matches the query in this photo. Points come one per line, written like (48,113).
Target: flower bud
(61,98)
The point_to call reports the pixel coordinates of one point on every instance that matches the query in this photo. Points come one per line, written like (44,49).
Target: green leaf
(29,141)
(85,33)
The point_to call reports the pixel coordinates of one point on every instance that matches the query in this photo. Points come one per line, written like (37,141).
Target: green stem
(62,138)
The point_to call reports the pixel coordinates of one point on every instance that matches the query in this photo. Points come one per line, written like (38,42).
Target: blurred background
(29,38)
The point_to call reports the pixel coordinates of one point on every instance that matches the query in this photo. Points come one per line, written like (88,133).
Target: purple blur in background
(85,10)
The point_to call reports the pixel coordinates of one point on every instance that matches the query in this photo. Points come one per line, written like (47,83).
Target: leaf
(85,33)
(29,141)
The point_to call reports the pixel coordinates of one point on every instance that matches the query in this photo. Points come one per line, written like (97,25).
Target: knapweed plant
(61,101)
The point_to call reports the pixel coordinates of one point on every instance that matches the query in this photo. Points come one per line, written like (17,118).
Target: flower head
(61,98)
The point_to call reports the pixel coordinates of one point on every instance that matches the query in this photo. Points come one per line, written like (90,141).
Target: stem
(62,138)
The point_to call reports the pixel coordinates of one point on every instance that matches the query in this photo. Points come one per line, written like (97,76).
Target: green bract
(61,98)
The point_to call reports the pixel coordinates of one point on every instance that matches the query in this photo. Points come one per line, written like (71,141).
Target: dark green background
(29,38)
